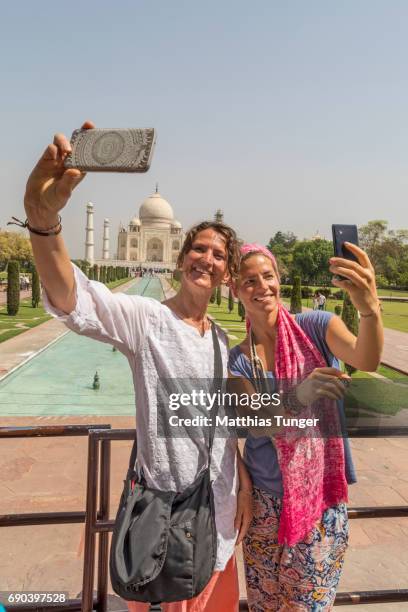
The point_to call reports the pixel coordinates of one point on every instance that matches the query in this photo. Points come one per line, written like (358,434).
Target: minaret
(219,216)
(105,249)
(89,241)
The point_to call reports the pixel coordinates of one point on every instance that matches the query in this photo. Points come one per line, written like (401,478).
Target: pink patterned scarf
(312,466)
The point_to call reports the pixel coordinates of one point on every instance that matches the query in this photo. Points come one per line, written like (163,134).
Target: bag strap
(131,473)
(218,375)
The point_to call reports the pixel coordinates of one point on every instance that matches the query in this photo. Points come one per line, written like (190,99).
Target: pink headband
(254,247)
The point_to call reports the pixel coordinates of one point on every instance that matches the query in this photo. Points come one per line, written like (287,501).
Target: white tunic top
(160,345)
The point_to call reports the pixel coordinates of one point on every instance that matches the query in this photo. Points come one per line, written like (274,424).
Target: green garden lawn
(29,317)
(230,321)
(395,314)
(26,318)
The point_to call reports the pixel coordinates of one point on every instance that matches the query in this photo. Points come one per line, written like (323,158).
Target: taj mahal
(152,238)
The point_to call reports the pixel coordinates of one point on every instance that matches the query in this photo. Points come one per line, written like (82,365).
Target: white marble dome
(156,211)
(135,221)
(176,224)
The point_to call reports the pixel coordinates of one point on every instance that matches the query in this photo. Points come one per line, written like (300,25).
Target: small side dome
(135,221)
(176,224)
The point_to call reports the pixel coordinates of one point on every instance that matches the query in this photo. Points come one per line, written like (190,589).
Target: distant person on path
(172,339)
(321,301)
(294,549)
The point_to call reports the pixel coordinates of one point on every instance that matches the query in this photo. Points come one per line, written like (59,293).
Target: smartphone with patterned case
(111,150)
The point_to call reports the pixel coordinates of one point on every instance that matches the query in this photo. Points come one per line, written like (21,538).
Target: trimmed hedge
(307,292)
(218,296)
(296,296)
(241,310)
(35,288)
(230,300)
(13,287)
(177,275)
(350,318)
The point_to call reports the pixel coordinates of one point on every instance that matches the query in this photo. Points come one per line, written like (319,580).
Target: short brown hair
(226,231)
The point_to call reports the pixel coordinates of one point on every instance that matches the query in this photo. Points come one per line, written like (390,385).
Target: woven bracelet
(49,231)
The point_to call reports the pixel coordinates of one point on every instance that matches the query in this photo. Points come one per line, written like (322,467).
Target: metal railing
(346,598)
(55,518)
(96,517)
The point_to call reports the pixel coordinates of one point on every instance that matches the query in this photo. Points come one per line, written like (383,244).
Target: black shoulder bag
(164,544)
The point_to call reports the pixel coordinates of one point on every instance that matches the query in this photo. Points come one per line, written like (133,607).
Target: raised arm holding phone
(48,190)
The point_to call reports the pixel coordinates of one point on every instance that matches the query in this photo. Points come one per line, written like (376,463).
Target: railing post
(103,552)
(90,520)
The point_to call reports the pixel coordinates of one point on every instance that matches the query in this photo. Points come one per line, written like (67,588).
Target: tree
(241,310)
(15,246)
(311,261)
(371,236)
(13,287)
(350,317)
(296,296)
(282,242)
(282,245)
(35,288)
(95,272)
(213,296)
(388,252)
(218,298)
(230,300)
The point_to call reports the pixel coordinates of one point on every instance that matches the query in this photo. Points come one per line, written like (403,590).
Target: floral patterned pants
(302,578)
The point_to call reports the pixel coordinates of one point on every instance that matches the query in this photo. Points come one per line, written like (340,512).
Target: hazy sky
(288,115)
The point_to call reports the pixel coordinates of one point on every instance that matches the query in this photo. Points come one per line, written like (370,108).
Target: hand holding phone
(360,284)
(342,234)
(111,150)
(50,184)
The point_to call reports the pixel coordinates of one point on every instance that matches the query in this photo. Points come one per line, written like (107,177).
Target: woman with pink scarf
(294,549)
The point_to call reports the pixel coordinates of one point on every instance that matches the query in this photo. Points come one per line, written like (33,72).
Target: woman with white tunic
(161,341)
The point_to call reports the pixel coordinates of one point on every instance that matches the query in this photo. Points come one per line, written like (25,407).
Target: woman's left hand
(359,279)
(244,513)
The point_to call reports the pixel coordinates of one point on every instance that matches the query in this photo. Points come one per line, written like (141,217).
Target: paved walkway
(49,474)
(395,352)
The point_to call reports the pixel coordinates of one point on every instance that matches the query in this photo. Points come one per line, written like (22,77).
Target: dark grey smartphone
(112,150)
(342,234)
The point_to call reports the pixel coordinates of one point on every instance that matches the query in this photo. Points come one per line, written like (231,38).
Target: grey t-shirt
(159,345)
